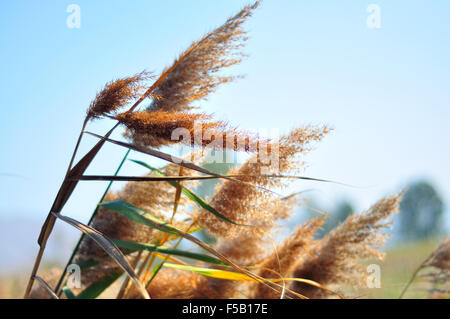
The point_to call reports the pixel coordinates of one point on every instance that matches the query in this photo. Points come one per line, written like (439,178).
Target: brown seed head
(287,254)
(246,204)
(334,259)
(196,73)
(116,94)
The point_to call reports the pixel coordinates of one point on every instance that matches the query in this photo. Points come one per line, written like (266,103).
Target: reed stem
(52,219)
(58,286)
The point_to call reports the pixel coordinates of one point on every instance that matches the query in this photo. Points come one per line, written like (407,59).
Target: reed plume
(282,262)
(161,128)
(245,249)
(256,212)
(247,205)
(191,286)
(116,94)
(196,74)
(162,286)
(192,77)
(335,259)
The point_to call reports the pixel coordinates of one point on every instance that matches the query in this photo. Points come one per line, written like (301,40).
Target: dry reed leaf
(110,248)
(47,281)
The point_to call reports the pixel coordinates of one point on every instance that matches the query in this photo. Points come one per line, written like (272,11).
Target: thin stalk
(127,279)
(411,280)
(158,268)
(124,288)
(150,264)
(125,292)
(49,227)
(77,145)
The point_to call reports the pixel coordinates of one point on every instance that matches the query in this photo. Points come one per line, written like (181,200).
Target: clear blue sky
(385,91)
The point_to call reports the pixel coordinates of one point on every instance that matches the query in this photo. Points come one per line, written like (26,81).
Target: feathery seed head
(287,254)
(334,259)
(195,74)
(116,94)
(246,204)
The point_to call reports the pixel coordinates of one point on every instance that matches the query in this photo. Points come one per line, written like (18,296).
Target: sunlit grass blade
(109,247)
(231,275)
(311,283)
(167,250)
(138,215)
(169,258)
(215,273)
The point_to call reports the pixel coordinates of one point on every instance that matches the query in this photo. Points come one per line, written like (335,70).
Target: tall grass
(135,233)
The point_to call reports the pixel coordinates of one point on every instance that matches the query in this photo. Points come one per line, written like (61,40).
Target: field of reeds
(134,245)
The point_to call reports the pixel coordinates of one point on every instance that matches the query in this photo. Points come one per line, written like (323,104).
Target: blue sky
(384,91)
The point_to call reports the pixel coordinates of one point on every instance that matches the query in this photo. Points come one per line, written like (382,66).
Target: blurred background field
(400,263)
(410,245)
(396,270)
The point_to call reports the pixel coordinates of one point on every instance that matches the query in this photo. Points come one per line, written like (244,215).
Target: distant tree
(421,211)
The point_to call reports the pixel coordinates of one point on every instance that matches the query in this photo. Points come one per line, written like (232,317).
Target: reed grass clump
(135,233)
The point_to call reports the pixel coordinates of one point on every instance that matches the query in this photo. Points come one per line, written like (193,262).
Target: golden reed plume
(196,73)
(116,94)
(335,259)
